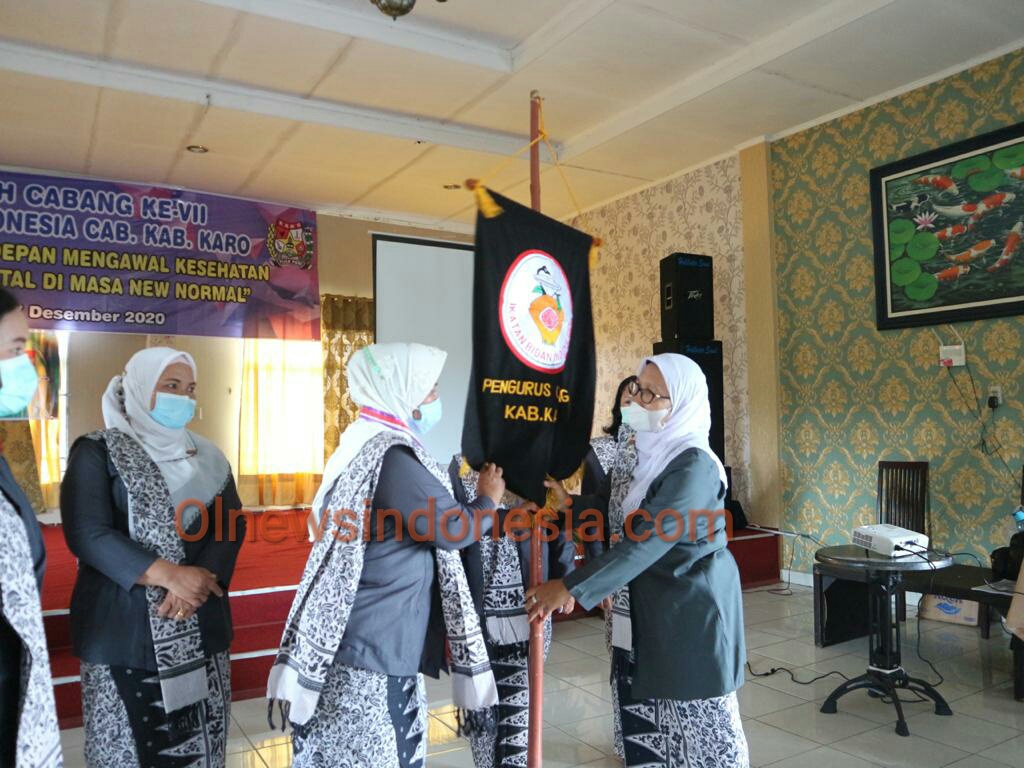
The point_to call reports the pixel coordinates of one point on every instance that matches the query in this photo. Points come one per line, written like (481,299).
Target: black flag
(531,396)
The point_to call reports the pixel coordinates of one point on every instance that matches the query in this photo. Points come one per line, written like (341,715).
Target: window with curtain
(281,433)
(47,422)
(346,325)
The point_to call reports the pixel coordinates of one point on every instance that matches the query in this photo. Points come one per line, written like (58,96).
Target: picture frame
(948,231)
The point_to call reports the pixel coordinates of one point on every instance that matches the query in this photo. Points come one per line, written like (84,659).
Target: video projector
(890,540)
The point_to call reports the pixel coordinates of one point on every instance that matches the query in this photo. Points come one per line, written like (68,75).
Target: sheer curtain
(347,325)
(281,435)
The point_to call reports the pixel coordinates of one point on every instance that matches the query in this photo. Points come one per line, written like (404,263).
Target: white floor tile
(580,672)
(602,690)
(885,747)
(995,705)
(598,732)
(757,700)
(757,639)
(824,757)
(594,644)
(1009,752)
(560,652)
(572,705)
(769,745)
(568,630)
(977,761)
(798,653)
(961,731)
(808,722)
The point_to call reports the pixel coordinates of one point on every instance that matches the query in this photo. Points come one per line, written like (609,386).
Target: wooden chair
(903,500)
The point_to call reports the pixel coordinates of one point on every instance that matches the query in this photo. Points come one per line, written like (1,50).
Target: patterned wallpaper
(695,213)
(852,395)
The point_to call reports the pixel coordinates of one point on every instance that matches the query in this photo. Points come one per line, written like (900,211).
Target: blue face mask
(173,411)
(18,383)
(430,415)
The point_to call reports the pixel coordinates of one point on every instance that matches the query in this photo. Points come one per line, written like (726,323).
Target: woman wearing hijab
(498,571)
(150,619)
(29,737)
(380,592)
(677,682)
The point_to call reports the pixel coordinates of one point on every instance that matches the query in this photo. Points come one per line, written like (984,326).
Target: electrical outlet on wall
(995,391)
(952,355)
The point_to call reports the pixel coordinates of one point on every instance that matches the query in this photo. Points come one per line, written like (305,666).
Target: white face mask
(642,420)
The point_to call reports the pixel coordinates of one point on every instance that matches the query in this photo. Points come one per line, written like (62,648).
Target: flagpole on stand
(534,753)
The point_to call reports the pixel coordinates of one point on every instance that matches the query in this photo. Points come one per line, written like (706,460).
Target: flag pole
(536,732)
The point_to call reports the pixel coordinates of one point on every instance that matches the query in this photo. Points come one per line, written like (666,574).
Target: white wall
(424,293)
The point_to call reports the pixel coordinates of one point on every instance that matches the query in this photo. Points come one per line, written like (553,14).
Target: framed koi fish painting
(948,232)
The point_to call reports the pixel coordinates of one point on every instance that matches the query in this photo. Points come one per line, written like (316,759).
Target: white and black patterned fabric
(622,467)
(178,645)
(364,720)
(663,733)
(127,725)
(501,738)
(618,459)
(38,737)
(326,593)
(504,740)
(605,447)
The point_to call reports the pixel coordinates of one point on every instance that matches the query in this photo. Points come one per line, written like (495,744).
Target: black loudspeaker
(708,355)
(840,609)
(687,298)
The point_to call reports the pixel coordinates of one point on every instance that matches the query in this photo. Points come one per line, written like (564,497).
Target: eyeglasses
(645,396)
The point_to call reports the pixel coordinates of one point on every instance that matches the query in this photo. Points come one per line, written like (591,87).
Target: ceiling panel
(590,188)
(743,19)
(284,57)
(211,173)
(502,22)
(339,150)
(421,185)
(757,104)
(567,110)
(658,148)
(130,161)
(240,135)
(60,148)
(76,26)
(132,118)
(626,55)
(404,81)
(180,35)
(44,104)
(863,59)
(309,187)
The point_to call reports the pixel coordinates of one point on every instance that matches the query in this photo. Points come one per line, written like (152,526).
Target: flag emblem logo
(535,311)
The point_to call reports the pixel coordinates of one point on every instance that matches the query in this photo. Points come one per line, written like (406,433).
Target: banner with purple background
(91,255)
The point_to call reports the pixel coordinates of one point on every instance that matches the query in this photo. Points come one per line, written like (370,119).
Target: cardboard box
(950,610)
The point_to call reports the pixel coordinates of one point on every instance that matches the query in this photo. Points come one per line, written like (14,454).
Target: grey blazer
(686,604)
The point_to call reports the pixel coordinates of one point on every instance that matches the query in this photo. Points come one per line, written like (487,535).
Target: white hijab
(177,452)
(687,426)
(392,380)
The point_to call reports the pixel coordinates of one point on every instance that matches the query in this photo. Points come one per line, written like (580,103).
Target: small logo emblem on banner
(290,242)
(536,311)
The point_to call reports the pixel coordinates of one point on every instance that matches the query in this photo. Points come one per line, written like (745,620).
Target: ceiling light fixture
(198,149)
(396,8)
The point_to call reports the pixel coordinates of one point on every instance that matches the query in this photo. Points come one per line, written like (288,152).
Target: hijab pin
(373,362)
